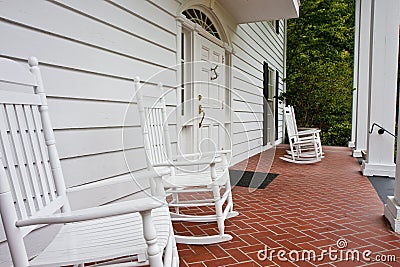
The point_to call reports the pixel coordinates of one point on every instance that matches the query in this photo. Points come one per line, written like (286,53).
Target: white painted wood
(246,126)
(95,233)
(247,117)
(305,146)
(364,42)
(99,60)
(357,10)
(152,113)
(151,13)
(83,142)
(50,17)
(118,65)
(91,168)
(15,73)
(248,135)
(243,106)
(108,190)
(129,20)
(246,146)
(170,7)
(382,88)
(210,86)
(89,114)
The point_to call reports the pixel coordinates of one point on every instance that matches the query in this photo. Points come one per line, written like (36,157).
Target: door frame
(186,36)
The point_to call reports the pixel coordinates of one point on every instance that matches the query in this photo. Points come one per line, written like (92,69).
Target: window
(271,84)
(274,24)
(202,19)
(277,24)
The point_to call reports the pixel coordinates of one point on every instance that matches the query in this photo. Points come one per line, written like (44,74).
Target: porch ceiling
(245,11)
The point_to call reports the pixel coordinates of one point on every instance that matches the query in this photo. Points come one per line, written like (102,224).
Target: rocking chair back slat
(12,72)
(289,124)
(26,142)
(152,108)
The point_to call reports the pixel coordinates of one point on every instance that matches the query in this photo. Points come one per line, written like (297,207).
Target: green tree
(320,67)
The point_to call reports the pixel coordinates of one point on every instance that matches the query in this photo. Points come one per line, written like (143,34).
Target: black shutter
(276,104)
(265,101)
(277,26)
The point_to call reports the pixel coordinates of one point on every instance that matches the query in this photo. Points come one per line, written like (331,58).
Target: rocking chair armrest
(188,163)
(199,154)
(115,209)
(302,133)
(309,131)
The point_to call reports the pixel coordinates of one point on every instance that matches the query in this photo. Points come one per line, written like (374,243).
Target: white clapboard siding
(246,146)
(93,59)
(246,154)
(239,117)
(254,44)
(79,142)
(150,13)
(84,85)
(49,17)
(247,126)
(246,106)
(89,54)
(109,191)
(170,7)
(76,113)
(254,73)
(127,20)
(266,35)
(88,66)
(87,169)
(267,41)
(248,135)
(243,94)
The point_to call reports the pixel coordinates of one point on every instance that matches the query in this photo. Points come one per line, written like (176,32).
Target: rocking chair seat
(194,179)
(85,241)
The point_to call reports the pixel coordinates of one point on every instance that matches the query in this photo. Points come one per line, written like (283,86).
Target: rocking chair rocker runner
(32,192)
(305,146)
(214,180)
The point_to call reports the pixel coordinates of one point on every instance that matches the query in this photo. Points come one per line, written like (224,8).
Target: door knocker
(215,76)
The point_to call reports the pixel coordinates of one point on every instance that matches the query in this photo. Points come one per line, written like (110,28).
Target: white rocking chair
(305,146)
(308,131)
(33,193)
(215,180)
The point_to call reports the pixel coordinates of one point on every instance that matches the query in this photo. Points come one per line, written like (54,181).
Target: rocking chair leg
(153,250)
(175,197)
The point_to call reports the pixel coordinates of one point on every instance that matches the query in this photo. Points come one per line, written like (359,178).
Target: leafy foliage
(320,67)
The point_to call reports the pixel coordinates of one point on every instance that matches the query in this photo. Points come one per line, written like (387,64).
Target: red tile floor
(307,207)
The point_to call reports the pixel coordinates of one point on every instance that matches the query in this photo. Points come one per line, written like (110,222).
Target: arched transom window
(202,19)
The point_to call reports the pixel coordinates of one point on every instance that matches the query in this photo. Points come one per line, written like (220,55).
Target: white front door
(209,95)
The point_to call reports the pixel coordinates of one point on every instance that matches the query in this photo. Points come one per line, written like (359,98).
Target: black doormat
(384,186)
(258,180)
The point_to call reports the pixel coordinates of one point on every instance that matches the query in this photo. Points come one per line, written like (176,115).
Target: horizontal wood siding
(253,44)
(89,54)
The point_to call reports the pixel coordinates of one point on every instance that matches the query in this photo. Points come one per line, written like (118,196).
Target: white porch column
(364,44)
(383,87)
(352,142)
(392,208)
